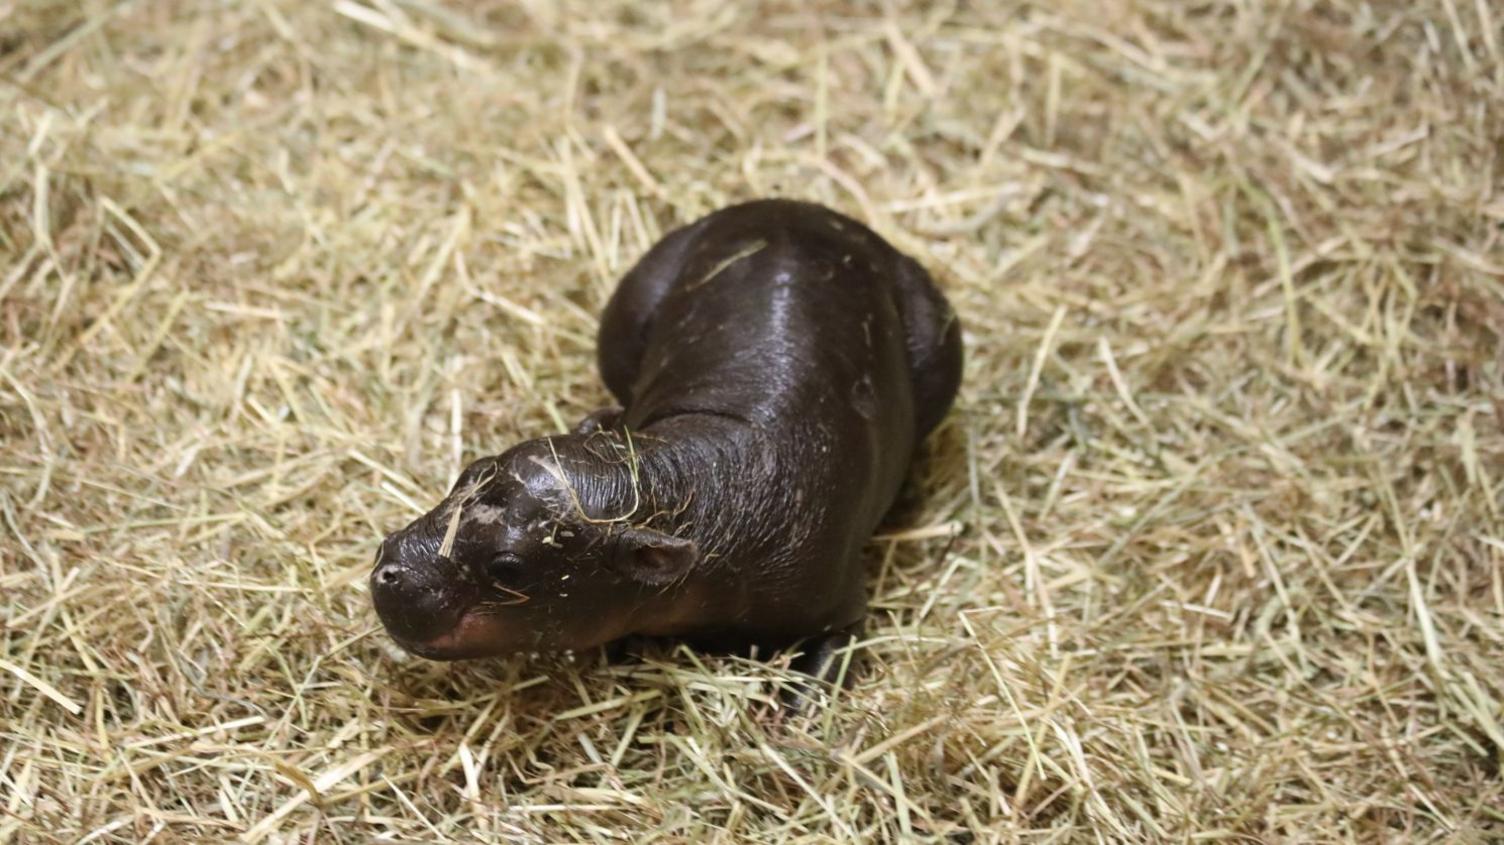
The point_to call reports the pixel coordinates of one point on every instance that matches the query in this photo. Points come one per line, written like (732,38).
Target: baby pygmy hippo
(777,363)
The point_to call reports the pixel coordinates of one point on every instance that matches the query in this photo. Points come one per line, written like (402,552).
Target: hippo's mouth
(475,634)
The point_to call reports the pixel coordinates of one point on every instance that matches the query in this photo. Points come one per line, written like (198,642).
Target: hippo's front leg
(827,660)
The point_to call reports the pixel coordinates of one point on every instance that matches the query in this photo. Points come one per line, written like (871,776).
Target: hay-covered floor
(1211,547)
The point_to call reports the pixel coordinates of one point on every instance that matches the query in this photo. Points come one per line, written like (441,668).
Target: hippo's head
(516,558)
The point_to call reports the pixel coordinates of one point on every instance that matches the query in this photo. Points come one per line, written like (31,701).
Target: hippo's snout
(418,597)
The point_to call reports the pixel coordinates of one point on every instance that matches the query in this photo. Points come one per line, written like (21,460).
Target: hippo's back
(783,311)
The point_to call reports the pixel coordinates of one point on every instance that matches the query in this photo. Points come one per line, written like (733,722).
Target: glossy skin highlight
(777,365)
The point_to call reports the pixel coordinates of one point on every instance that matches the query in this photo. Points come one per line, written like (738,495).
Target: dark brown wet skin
(777,364)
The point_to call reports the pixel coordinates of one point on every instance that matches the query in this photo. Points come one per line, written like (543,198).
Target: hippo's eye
(504,566)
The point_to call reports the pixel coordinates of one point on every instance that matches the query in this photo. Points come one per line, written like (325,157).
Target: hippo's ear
(653,557)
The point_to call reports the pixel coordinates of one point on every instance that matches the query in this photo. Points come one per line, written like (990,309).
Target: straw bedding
(1210,548)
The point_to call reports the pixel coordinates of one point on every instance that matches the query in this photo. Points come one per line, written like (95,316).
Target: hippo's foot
(827,663)
(603,419)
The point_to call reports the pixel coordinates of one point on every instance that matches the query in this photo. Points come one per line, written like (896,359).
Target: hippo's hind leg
(628,315)
(934,344)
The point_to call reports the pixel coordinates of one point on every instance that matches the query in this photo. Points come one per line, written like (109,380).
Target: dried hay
(1226,471)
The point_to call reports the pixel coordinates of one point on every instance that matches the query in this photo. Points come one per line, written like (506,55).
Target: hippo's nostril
(388,576)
